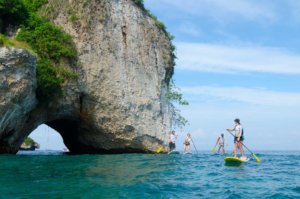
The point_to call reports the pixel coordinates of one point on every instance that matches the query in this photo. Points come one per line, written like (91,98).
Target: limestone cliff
(117,104)
(17,95)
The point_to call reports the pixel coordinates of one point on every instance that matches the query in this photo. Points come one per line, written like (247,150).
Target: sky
(236,59)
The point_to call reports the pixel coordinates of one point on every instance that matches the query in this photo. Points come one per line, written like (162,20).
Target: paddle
(194,145)
(253,154)
(158,150)
(213,150)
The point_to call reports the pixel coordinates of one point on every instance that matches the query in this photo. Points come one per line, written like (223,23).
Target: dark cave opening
(69,130)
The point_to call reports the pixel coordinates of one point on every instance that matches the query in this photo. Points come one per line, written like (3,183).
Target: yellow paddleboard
(235,160)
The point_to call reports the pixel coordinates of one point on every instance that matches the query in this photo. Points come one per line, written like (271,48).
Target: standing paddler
(187,143)
(238,137)
(172,140)
(221,142)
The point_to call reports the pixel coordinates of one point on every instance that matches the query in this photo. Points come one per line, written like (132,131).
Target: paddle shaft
(216,143)
(242,144)
(194,145)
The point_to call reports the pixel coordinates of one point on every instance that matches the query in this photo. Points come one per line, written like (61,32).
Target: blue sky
(237,58)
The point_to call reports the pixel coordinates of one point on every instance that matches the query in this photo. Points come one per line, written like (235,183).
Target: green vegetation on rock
(34,5)
(5,41)
(174,96)
(29,141)
(49,42)
(140,3)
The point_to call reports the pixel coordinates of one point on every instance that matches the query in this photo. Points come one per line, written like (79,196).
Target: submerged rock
(117,104)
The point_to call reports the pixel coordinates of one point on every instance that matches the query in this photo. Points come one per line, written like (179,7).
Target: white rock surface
(118,103)
(17,93)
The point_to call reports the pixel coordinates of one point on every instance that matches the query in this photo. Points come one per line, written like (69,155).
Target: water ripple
(148,176)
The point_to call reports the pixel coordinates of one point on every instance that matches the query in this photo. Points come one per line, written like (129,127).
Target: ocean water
(53,175)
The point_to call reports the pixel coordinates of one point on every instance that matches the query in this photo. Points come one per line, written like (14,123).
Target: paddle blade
(256,158)
(213,150)
(158,150)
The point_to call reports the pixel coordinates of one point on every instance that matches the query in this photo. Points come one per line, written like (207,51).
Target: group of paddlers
(186,144)
(238,140)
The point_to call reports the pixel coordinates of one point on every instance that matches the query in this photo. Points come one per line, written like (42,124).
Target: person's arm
(232,129)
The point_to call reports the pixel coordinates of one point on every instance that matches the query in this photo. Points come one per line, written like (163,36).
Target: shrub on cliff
(49,42)
(34,5)
(139,3)
(12,12)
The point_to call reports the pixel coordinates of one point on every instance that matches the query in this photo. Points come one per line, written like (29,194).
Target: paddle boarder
(238,137)
(187,143)
(221,142)
(172,140)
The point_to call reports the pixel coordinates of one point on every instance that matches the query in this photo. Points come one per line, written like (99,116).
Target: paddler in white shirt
(238,138)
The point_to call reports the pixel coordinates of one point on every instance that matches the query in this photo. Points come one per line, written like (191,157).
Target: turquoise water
(42,175)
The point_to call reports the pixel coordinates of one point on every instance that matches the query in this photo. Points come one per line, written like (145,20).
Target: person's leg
(189,148)
(241,148)
(234,149)
(223,149)
(184,147)
(219,148)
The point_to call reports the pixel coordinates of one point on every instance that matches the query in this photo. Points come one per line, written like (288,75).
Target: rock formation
(29,145)
(17,94)
(117,104)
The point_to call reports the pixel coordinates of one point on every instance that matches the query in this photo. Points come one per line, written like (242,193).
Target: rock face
(118,102)
(17,95)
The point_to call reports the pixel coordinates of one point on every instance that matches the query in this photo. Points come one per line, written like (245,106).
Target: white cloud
(200,133)
(190,29)
(221,10)
(247,95)
(259,121)
(232,59)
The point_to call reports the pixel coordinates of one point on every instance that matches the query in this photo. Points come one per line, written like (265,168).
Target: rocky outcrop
(29,145)
(118,102)
(17,95)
